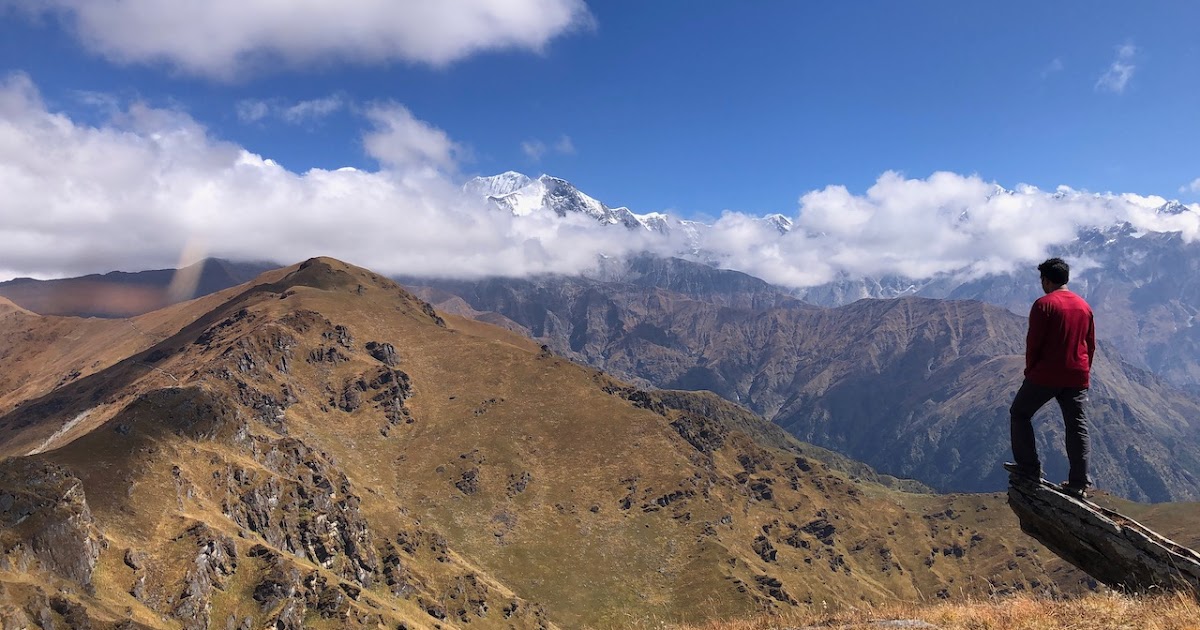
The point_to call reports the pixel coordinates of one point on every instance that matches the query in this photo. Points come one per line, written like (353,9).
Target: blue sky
(745,107)
(134,133)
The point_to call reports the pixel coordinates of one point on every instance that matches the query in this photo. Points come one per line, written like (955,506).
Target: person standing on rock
(1060,347)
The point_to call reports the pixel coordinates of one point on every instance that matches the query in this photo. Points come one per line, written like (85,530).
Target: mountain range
(668,322)
(521,195)
(915,387)
(321,448)
(676,324)
(1142,285)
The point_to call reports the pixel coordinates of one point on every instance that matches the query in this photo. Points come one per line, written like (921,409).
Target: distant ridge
(125,294)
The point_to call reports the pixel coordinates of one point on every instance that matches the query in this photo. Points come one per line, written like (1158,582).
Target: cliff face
(322,449)
(48,523)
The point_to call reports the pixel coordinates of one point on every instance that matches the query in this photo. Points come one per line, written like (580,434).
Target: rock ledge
(1112,548)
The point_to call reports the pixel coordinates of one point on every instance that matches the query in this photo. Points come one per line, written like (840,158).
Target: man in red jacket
(1058,361)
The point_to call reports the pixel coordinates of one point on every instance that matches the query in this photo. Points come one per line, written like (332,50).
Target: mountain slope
(913,387)
(321,449)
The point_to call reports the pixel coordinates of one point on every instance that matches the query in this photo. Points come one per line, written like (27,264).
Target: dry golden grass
(1023,612)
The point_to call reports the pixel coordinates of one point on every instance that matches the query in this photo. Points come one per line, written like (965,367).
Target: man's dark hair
(1056,270)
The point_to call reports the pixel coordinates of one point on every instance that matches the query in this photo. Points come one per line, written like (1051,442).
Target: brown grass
(1022,612)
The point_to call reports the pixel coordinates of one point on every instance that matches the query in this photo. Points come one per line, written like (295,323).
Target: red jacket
(1061,342)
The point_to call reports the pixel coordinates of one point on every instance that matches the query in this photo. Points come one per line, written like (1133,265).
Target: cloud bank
(226,38)
(134,192)
(918,228)
(138,190)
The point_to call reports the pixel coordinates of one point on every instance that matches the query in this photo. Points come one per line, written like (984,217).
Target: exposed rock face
(46,504)
(215,561)
(306,507)
(384,353)
(1110,547)
(294,593)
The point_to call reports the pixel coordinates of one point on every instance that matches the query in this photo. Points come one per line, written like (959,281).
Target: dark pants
(1071,400)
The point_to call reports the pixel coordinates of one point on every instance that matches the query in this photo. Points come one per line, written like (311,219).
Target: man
(1059,351)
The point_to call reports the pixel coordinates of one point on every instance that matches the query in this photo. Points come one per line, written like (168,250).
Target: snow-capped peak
(497,185)
(521,196)
(655,221)
(1172,208)
(779,222)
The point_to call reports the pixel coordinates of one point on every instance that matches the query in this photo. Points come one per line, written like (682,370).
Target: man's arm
(1035,337)
(1091,340)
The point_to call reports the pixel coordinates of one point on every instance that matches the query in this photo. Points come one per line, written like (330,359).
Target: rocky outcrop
(304,505)
(214,562)
(1112,548)
(43,507)
(290,594)
(384,353)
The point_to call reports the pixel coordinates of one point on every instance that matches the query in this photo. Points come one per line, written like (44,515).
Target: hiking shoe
(1074,490)
(1026,474)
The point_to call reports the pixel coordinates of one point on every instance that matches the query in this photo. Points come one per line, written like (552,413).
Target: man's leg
(1074,409)
(1029,399)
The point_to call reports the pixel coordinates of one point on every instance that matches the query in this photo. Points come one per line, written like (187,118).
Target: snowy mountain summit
(497,185)
(522,196)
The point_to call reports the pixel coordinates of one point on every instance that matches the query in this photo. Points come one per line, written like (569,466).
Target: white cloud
(315,109)
(298,113)
(134,192)
(1117,77)
(565,145)
(400,141)
(535,149)
(1053,67)
(920,227)
(227,38)
(1192,187)
(252,110)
